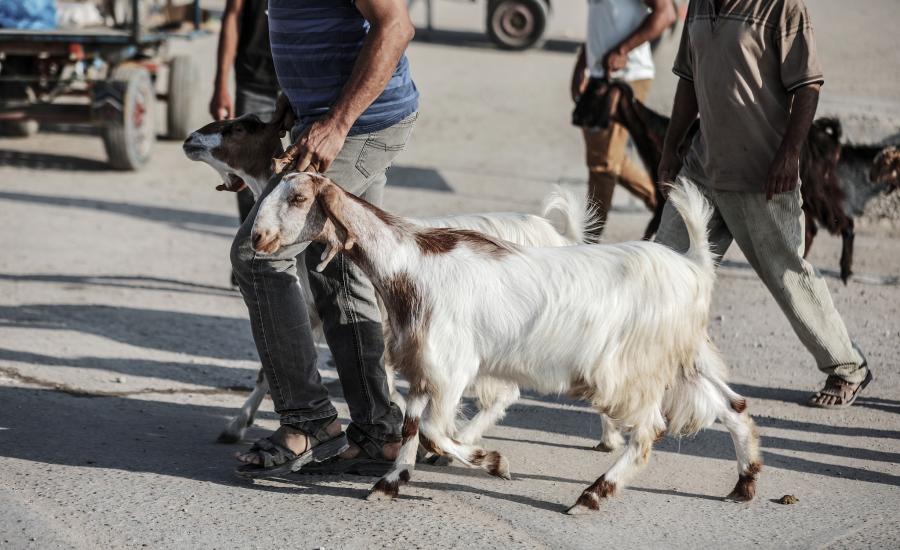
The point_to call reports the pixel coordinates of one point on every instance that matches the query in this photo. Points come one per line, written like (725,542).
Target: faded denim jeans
(345,300)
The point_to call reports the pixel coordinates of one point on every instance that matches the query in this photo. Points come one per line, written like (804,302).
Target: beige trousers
(609,164)
(771,234)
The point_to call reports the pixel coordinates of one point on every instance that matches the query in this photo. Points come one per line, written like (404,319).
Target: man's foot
(290,438)
(364,457)
(389,451)
(838,393)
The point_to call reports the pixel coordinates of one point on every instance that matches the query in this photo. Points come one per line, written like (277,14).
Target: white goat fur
(575,220)
(623,325)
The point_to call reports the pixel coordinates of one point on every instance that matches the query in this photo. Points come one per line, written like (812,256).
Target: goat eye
(298,200)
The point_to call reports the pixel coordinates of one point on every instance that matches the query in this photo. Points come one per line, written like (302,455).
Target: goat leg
(811,231)
(847,236)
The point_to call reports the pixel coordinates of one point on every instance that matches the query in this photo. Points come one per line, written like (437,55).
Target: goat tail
(696,212)
(579,220)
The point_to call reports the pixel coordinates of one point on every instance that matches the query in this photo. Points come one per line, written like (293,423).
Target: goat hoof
(501,469)
(605,447)
(384,490)
(738,496)
(579,509)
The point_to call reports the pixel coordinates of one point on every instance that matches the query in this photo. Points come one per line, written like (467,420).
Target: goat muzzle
(266,241)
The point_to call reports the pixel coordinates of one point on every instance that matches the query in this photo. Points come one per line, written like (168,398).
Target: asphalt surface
(123,351)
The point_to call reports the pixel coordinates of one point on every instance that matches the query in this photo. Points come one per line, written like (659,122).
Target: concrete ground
(123,351)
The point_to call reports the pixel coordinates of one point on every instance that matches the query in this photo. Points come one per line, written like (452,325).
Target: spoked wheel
(129,139)
(516,24)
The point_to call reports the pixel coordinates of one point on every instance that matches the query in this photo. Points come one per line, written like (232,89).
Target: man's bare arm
(579,73)
(784,174)
(389,34)
(662,14)
(221,106)
(684,112)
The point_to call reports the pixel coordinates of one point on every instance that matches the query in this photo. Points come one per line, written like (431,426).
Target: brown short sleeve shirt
(745,62)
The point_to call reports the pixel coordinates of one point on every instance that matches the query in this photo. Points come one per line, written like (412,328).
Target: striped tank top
(315,44)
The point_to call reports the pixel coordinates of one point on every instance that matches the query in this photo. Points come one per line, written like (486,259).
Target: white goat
(623,325)
(240,149)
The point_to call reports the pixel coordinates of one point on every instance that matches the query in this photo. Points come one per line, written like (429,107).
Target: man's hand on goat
(668,169)
(784,174)
(316,147)
(220,106)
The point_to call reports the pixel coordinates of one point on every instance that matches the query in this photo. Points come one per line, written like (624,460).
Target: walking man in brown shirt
(749,69)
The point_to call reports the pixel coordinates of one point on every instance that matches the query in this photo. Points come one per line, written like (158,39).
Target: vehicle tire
(180,111)
(19,128)
(517,24)
(129,139)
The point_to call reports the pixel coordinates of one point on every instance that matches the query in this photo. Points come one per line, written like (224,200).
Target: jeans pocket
(383,146)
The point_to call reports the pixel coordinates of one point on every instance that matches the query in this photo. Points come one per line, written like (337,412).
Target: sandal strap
(271,453)
(365,442)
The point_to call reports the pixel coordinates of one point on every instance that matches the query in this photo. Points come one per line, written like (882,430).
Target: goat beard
(232,183)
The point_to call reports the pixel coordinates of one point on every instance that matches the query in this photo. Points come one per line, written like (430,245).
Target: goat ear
(284,116)
(331,199)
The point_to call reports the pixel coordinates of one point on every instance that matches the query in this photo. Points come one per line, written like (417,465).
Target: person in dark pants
(244,44)
(342,66)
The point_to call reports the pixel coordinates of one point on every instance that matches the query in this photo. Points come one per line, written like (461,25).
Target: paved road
(122,351)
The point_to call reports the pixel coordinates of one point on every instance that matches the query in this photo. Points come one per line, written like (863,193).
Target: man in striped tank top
(342,65)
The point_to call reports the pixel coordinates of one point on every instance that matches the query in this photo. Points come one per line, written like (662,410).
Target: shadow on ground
(173,331)
(50,161)
(191,220)
(130,282)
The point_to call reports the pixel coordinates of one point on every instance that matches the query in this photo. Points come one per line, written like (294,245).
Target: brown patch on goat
(429,446)
(434,241)
(745,489)
(593,495)
(410,429)
(739,405)
(402,299)
(477,457)
(580,389)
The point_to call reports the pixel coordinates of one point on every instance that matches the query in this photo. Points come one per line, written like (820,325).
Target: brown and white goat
(823,198)
(234,148)
(621,325)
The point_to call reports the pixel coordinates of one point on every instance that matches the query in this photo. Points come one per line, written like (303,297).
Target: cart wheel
(129,139)
(182,95)
(516,24)
(18,128)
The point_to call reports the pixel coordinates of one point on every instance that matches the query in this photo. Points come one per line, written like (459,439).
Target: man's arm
(784,174)
(390,31)
(684,111)
(662,14)
(579,74)
(220,106)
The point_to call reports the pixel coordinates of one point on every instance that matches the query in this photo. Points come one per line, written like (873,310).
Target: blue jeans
(345,300)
